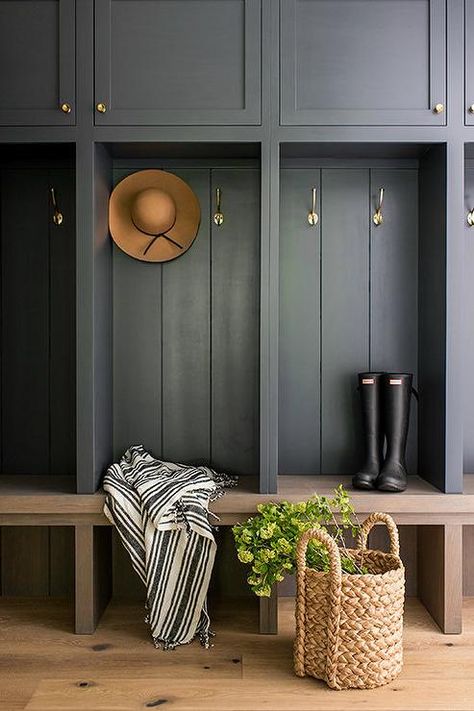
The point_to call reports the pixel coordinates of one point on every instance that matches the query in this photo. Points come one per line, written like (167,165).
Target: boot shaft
(370,391)
(397,390)
(371,404)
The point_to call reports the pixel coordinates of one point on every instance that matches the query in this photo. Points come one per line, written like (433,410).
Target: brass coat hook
(378,217)
(57,214)
(470,217)
(312,214)
(218,215)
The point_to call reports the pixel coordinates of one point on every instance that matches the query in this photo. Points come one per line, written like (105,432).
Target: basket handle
(334,616)
(392,530)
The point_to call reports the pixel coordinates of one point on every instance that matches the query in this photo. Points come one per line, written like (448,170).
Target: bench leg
(440,574)
(269,613)
(93,575)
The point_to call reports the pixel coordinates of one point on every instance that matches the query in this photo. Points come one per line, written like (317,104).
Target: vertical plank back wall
(38,322)
(341,307)
(186,335)
(37,362)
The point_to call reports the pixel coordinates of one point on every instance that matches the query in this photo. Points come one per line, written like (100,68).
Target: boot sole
(365,486)
(396,488)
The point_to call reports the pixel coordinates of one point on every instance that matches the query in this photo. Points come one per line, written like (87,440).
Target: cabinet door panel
(362,61)
(178,61)
(37,60)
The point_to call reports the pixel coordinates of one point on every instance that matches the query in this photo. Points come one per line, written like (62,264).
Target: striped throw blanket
(160,510)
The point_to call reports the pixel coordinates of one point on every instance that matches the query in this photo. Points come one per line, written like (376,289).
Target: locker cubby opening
(229,576)
(37,562)
(38,341)
(359,297)
(182,349)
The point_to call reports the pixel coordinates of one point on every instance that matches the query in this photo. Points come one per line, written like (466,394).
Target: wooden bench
(51,501)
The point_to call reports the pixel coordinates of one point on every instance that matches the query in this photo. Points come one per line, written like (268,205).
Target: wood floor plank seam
(45,667)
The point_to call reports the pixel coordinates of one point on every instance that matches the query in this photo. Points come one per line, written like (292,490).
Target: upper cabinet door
(37,62)
(177,62)
(356,62)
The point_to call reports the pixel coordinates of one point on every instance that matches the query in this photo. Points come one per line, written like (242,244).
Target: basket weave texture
(349,628)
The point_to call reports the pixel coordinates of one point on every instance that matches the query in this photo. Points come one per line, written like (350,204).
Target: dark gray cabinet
(363,62)
(37,61)
(177,62)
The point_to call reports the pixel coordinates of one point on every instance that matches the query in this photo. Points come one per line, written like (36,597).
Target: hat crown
(153,211)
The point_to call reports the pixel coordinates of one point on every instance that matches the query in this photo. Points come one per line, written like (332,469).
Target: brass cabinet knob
(439,108)
(101,108)
(66,108)
(471,109)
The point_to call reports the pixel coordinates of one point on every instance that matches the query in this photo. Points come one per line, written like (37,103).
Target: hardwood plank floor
(45,667)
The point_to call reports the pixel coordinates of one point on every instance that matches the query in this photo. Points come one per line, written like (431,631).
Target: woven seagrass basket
(349,627)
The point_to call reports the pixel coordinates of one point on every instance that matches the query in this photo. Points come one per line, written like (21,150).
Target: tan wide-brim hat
(153,216)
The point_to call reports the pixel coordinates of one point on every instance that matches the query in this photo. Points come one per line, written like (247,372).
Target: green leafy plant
(267,542)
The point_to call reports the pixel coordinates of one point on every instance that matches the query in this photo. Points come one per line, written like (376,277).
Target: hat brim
(134,242)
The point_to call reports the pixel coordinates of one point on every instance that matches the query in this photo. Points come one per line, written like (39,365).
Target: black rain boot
(397,389)
(370,388)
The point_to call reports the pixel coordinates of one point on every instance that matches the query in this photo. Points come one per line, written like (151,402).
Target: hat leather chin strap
(155,237)
(161,235)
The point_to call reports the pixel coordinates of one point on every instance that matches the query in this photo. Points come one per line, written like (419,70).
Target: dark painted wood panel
(198,62)
(25,561)
(432,316)
(394,282)
(186,384)
(93,575)
(137,350)
(25,215)
(345,314)
(137,354)
(37,56)
(61,561)
(126,583)
(62,336)
(468,395)
(235,287)
(358,74)
(164,323)
(37,561)
(469,61)
(300,321)
(103,316)
(87,478)
(27,82)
